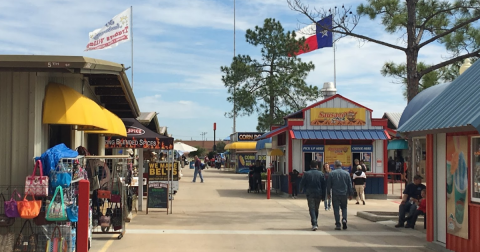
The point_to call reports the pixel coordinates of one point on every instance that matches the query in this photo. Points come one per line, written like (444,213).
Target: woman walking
(328,200)
(359,178)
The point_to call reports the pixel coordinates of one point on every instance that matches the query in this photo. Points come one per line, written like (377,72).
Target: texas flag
(317,35)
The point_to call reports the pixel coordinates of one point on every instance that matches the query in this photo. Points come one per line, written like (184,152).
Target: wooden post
(83,212)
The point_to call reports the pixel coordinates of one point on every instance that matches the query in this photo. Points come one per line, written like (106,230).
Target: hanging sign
(159,171)
(337,116)
(313,148)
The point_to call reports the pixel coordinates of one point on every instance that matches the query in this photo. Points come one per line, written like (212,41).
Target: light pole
(234,79)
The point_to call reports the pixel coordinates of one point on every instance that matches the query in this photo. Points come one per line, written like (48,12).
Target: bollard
(268,182)
(83,212)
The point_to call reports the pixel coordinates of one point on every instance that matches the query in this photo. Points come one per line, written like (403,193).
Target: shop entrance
(307,159)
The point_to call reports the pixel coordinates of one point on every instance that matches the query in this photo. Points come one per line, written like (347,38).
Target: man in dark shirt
(313,184)
(293,179)
(257,169)
(412,191)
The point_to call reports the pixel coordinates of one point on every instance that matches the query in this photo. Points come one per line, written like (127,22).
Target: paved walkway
(219,215)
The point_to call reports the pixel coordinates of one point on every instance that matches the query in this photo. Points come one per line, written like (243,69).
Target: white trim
(474,200)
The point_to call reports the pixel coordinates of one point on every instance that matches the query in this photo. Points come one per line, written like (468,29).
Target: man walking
(313,184)
(198,169)
(341,185)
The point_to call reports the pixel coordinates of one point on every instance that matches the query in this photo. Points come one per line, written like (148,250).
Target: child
(422,205)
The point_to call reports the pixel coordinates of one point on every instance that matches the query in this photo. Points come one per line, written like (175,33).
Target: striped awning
(341,134)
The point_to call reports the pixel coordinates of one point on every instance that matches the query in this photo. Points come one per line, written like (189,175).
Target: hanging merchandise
(26,243)
(72,213)
(106,175)
(56,243)
(38,185)
(79,173)
(7,241)
(116,196)
(10,206)
(56,210)
(40,219)
(117,217)
(60,176)
(29,209)
(5,221)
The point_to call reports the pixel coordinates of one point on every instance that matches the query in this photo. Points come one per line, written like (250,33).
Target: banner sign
(114,32)
(362,148)
(337,116)
(457,186)
(248,136)
(245,161)
(159,171)
(339,152)
(313,148)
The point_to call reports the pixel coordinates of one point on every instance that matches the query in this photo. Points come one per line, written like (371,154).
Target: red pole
(83,212)
(268,182)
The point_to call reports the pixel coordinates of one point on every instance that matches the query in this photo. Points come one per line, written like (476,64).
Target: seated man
(421,210)
(411,192)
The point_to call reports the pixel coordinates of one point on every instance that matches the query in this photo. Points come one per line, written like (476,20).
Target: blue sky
(179,47)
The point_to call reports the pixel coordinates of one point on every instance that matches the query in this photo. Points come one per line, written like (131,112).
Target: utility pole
(234,79)
(203,138)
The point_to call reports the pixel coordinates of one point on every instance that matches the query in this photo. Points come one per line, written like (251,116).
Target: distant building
(208,145)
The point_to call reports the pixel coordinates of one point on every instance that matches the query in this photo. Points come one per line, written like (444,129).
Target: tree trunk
(413,78)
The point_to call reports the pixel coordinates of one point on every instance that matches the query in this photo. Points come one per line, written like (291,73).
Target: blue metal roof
(455,107)
(340,134)
(261,143)
(272,133)
(420,100)
(226,138)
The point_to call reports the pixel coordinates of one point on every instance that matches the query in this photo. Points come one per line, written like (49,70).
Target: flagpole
(334,61)
(131,35)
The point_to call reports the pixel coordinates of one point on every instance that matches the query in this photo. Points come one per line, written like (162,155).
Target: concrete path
(219,215)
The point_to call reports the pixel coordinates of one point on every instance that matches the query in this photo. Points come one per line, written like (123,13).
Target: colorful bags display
(5,221)
(56,210)
(29,209)
(38,185)
(10,206)
(7,241)
(60,176)
(56,243)
(25,243)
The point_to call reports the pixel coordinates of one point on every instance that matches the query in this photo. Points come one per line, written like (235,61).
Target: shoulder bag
(72,212)
(10,206)
(60,177)
(104,192)
(29,209)
(56,243)
(56,210)
(5,221)
(26,243)
(38,185)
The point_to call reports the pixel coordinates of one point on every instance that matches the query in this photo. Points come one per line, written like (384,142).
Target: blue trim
(397,144)
(261,143)
(340,134)
(271,133)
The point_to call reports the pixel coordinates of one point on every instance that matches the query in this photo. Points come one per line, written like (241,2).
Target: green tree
(221,147)
(200,152)
(274,85)
(420,23)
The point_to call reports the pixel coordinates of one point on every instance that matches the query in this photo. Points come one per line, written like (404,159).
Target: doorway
(307,159)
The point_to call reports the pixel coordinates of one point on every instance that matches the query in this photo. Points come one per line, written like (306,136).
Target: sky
(179,47)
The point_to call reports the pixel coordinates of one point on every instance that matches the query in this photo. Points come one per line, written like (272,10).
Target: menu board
(339,152)
(157,195)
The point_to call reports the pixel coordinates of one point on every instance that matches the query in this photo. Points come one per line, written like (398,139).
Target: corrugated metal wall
(22,133)
(337,103)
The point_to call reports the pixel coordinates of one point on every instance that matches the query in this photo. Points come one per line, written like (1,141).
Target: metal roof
(264,144)
(393,117)
(341,134)
(419,101)
(273,133)
(454,109)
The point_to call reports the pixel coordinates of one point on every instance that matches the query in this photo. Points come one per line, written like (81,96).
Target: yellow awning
(241,146)
(116,127)
(276,152)
(64,105)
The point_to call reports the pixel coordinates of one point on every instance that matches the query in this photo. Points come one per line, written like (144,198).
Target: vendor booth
(335,128)
(242,150)
(450,124)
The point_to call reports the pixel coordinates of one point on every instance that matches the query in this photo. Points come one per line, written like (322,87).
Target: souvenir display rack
(111,172)
(44,232)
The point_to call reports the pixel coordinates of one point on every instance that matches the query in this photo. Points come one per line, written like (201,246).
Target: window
(475,174)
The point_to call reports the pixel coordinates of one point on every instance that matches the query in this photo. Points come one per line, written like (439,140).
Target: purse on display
(56,210)
(72,212)
(60,176)
(116,196)
(56,243)
(29,209)
(10,206)
(117,217)
(79,173)
(5,221)
(38,185)
(25,243)
(7,241)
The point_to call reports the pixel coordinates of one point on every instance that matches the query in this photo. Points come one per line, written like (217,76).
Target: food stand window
(475,174)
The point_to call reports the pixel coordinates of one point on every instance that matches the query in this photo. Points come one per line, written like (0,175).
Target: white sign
(379,163)
(115,31)
(174,184)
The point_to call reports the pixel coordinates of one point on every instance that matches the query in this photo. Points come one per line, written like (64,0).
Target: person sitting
(411,192)
(421,210)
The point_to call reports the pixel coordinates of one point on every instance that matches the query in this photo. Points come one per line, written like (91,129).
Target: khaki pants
(360,192)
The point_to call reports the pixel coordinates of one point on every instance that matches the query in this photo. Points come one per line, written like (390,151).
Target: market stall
(242,151)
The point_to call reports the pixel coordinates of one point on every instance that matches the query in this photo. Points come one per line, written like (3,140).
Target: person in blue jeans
(313,184)
(198,170)
(328,201)
(340,183)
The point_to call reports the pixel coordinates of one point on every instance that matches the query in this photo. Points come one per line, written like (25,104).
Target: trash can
(192,164)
